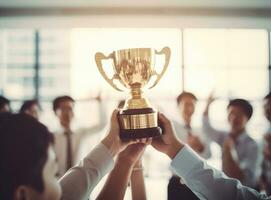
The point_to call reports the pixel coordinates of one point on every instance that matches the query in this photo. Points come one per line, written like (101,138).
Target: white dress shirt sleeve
(79,181)
(207,182)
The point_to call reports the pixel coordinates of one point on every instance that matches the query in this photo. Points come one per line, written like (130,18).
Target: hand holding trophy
(133,69)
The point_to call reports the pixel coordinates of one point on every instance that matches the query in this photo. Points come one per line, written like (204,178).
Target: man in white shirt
(68,140)
(194,137)
(239,150)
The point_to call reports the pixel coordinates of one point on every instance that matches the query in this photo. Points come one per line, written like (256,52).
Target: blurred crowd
(242,157)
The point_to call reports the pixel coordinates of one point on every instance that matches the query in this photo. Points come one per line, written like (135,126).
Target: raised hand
(210,100)
(112,141)
(168,142)
(133,153)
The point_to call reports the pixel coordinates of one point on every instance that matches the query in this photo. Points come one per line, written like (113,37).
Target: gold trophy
(134,68)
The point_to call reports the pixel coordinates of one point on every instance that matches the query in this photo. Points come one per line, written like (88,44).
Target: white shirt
(208,183)
(77,137)
(79,181)
(245,147)
(182,134)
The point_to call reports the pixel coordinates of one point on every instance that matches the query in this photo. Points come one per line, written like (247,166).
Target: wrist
(174,149)
(138,163)
(138,169)
(124,160)
(123,166)
(111,144)
(226,154)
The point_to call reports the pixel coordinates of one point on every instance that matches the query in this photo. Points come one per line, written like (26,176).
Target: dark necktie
(188,129)
(68,150)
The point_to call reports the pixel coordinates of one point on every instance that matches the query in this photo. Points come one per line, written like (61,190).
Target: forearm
(231,168)
(211,132)
(206,111)
(80,180)
(111,144)
(116,182)
(138,184)
(207,182)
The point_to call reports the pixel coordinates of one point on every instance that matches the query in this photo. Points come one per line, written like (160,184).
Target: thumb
(126,143)
(114,121)
(164,121)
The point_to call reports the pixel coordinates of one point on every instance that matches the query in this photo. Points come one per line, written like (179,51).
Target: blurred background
(47,49)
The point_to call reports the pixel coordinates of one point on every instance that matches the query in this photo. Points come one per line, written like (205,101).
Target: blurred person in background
(239,150)
(266,164)
(194,137)
(4,104)
(31,107)
(67,139)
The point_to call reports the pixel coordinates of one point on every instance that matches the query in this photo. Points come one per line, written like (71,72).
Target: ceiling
(255,4)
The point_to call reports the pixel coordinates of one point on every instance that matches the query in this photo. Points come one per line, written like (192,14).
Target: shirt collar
(182,122)
(61,129)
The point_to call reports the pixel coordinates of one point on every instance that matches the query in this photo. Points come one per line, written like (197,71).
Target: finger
(163,117)
(130,142)
(114,114)
(114,120)
(164,120)
(148,141)
(143,140)
(157,143)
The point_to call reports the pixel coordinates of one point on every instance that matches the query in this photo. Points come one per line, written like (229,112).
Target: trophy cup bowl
(133,68)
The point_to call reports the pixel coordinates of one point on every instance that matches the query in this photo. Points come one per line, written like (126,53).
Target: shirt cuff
(184,161)
(101,158)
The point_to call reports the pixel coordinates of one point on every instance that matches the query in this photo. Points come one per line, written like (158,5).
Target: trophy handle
(98,58)
(166,51)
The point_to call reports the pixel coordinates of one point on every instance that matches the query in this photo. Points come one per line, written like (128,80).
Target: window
(231,62)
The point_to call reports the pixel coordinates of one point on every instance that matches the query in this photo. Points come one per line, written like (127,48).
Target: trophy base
(139,123)
(140,133)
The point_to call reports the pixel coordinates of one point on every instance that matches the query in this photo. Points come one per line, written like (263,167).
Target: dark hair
(59,100)
(28,104)
(24,144)
(268,96)
(244,105)
(3,101)
(185,94)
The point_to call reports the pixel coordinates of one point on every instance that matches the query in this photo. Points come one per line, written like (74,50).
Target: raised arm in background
(208,129)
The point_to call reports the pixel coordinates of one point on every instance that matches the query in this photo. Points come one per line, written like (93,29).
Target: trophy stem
(136,93)
(137,100)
